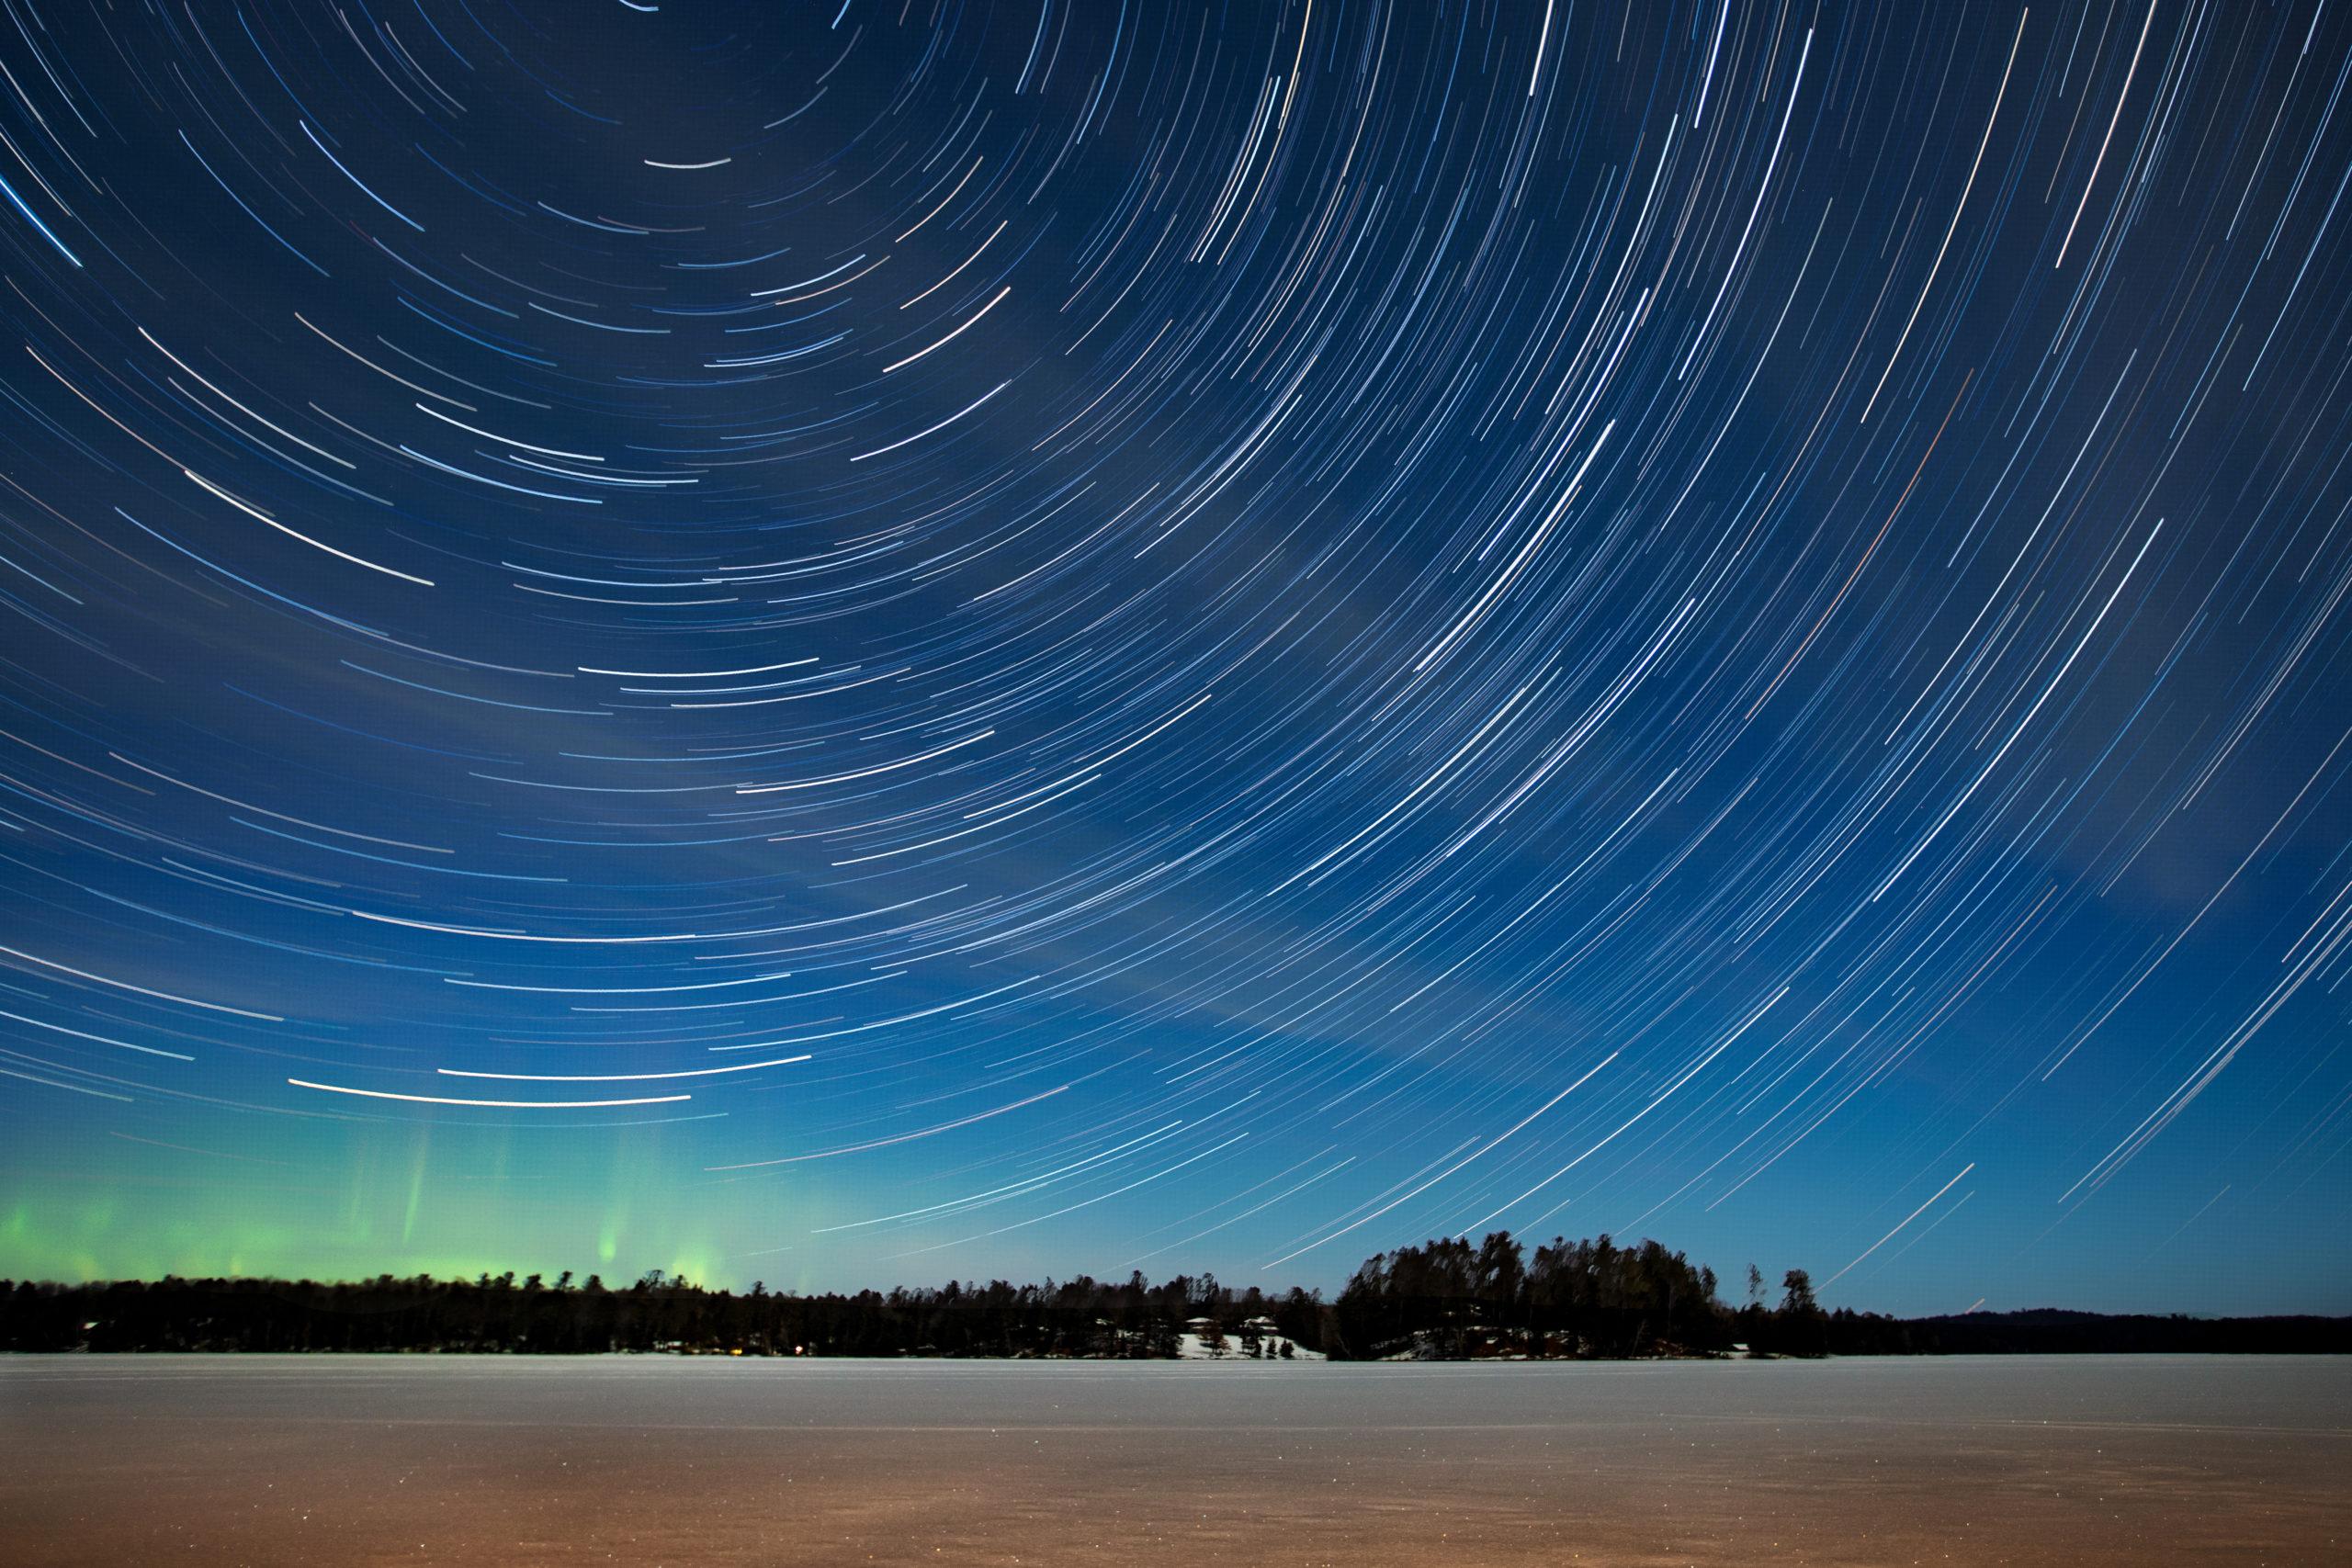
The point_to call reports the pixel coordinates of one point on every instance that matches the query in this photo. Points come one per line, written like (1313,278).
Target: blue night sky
(871,643)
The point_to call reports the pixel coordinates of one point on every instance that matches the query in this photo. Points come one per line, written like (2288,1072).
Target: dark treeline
(659,1311)
(2046,1331)
(1445,1299)
(1449,1299)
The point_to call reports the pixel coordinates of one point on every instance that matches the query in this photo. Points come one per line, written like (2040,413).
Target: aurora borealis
(851,644)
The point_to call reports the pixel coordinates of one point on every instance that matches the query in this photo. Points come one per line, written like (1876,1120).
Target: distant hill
(2056,1330)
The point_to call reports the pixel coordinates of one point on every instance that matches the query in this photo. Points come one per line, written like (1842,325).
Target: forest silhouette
(1445,1299)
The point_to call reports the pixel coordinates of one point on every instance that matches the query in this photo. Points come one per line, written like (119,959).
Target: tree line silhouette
(1447,1299)
(659,1311)
(1444,1299)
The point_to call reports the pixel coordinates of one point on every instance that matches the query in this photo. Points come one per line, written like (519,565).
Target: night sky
(871,643)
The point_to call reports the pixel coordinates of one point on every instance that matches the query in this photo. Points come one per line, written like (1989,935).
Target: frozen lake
(321,1459)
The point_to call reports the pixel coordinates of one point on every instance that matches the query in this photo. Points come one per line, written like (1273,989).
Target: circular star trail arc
(990,636)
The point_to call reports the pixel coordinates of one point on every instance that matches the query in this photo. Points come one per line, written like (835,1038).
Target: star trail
(872,642)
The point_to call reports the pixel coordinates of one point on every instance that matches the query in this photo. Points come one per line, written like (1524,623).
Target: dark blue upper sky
(872,642)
